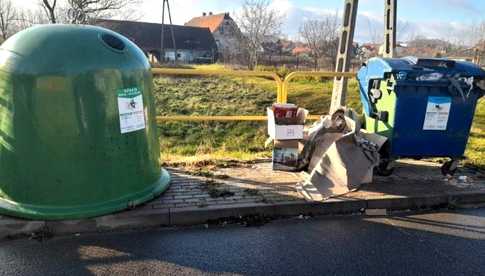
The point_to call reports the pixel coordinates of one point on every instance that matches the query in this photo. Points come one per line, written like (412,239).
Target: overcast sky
(433,18)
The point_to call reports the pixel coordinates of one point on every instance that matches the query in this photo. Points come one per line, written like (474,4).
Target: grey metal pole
(162,46)
(390,24)
(171,28)
(339,93)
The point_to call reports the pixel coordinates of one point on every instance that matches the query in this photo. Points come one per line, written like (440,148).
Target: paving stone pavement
(241,185)
(258,183)
(196,197)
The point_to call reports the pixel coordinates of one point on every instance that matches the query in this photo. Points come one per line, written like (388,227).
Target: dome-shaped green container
(78,135)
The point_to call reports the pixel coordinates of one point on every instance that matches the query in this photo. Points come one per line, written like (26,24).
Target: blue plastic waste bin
(424,106)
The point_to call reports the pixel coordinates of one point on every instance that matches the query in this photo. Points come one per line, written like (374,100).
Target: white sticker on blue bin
(437,113)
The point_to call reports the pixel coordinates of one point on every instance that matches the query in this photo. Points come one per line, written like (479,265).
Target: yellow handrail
(210,118)
(282,89)
(299,74)
(234,73)
(253,118)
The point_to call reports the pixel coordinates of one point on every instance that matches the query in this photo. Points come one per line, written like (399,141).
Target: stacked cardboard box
(285,126)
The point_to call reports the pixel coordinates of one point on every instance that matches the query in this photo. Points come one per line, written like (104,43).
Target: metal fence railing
(282,87)
(302,74)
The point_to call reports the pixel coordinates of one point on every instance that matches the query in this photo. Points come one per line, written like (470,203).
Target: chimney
(210,13)
(204,14)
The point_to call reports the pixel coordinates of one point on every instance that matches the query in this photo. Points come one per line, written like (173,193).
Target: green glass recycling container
(78,134)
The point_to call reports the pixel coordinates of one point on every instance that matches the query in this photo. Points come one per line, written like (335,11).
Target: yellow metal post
(300,74)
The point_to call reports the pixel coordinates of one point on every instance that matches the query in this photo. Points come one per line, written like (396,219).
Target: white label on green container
(437,113)
(130,106)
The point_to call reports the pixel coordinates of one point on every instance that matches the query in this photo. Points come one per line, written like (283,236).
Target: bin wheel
(449,167)
(384,168)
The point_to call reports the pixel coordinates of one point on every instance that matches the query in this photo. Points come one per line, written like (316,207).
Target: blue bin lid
(407,70)
(376,68)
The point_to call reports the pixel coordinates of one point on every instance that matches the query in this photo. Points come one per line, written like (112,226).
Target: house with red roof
(301,50)
(225,30)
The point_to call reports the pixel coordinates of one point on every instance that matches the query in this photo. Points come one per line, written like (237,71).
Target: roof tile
(208,21)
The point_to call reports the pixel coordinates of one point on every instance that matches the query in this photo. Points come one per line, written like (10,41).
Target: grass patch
(214,143)
(476,144)
(194,142)
(315,94)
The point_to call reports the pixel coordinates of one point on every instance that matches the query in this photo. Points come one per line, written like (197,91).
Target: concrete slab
(196,197)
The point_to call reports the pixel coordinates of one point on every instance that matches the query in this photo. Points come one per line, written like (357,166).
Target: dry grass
(194,144)
(476,145)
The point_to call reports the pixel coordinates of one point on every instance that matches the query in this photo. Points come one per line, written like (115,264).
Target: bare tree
(375,35)
(258,21)
(321,36)
(50,9)
(26,18)
(479,33)
(7,18)
(84,11)
(479,55)
(403,30)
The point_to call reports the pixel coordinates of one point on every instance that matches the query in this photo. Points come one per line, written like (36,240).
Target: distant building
(301,50)
(288,46)
(368,50)
(227,34)
(193,44)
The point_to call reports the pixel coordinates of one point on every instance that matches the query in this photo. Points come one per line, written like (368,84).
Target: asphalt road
(444,243)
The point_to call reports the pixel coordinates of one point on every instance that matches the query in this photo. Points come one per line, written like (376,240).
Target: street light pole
(162,46)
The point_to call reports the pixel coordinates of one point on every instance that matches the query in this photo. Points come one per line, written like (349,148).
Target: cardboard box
(286,132)
(297,144)
(285,114)
(286,154)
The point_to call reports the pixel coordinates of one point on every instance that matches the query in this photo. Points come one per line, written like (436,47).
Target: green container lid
(78,135)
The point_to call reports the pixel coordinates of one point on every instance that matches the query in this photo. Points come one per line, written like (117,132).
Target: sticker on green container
(130,106)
